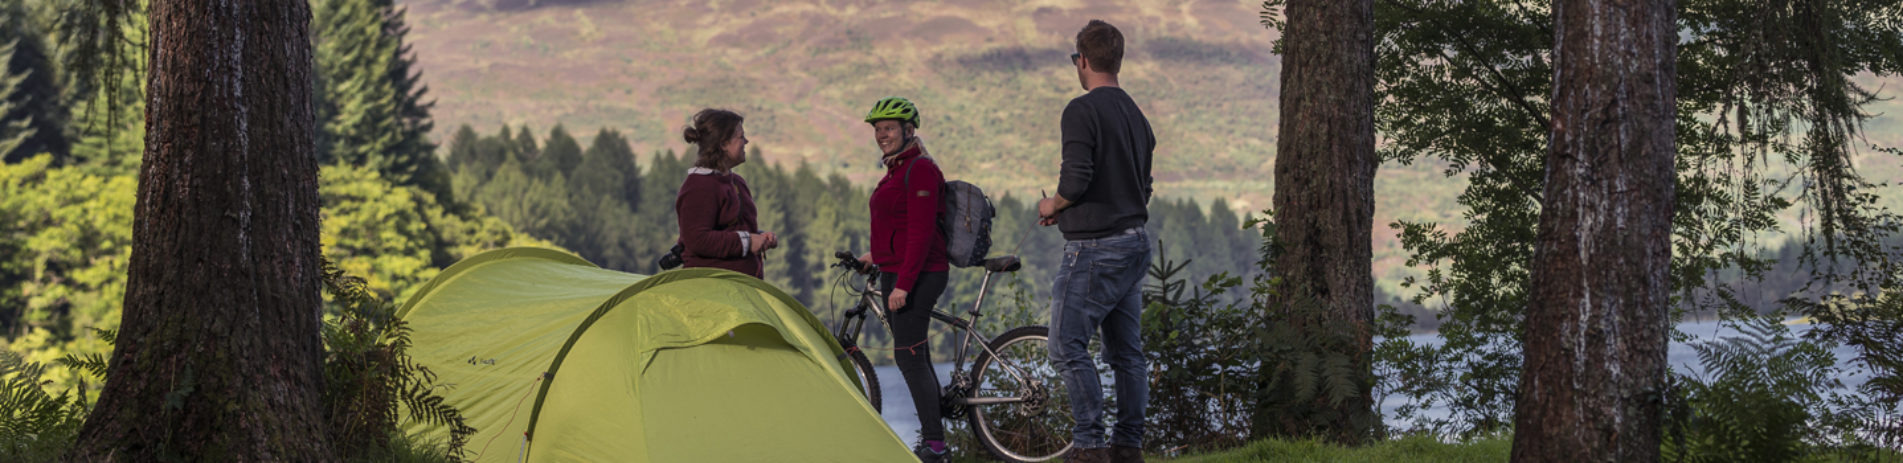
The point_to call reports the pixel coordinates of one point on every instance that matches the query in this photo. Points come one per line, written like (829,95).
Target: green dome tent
(551,358)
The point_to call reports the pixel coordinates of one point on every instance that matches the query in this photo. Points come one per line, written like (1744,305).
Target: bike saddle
(1003,264)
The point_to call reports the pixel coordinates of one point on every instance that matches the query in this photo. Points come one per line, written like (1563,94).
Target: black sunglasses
(1074,56)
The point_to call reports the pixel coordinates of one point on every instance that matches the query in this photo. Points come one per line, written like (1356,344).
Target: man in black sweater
(1101,205)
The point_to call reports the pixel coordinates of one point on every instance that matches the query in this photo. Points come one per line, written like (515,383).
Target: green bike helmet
(893,108)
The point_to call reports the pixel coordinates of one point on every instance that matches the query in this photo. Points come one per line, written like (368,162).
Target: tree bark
(1597,320)
(1324,190)
(219,352)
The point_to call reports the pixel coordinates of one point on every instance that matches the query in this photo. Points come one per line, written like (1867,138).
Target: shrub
(1765,396)
(1201,385)
(368,372)
(34,425)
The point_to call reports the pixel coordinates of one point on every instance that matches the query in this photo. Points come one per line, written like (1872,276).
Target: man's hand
(865,263)
(1048,208)
(895,301)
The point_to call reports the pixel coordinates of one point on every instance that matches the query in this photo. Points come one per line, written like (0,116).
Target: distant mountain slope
(991,76)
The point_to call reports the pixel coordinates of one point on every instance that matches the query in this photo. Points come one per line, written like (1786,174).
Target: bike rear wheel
(867,378)
(1032,422)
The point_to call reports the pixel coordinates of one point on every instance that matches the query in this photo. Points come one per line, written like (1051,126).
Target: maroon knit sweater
(712,209)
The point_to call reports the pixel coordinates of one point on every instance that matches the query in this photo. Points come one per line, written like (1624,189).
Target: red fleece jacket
(905,237)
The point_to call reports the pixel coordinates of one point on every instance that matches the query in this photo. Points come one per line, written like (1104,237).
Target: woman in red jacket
(906,246)
(718,222)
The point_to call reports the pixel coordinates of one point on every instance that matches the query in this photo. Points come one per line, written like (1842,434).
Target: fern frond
(1339,374)
(110,336)
(94,363)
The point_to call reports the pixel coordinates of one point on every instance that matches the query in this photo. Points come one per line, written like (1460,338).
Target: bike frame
(871,299)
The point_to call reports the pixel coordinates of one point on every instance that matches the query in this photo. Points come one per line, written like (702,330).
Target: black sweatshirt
(1107,150)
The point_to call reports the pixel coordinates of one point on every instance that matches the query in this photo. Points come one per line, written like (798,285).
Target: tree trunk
(219,356)
(1324,196)
(1596,324)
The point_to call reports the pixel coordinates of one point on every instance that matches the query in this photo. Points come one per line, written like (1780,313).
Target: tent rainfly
(552,358)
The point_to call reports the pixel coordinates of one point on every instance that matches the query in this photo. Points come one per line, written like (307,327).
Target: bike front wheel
(1020,409)
(863,367)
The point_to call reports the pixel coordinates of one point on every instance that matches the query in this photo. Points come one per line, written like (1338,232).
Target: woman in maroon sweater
(906,246)
(718,222)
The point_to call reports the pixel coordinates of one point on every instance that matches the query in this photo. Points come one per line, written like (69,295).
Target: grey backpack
(964,219)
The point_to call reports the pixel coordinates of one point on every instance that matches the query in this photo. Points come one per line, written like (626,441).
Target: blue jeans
(1101,286)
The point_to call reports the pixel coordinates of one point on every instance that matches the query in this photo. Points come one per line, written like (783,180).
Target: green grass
(412,449)
(1411,449)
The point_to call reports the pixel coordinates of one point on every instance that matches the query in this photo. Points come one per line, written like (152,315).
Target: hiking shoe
(926,455)
(1121,454)
(1083,455)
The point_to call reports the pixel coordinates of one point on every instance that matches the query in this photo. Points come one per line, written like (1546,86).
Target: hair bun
(691,135)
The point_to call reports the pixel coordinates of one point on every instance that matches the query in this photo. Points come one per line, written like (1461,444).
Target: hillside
(990,75)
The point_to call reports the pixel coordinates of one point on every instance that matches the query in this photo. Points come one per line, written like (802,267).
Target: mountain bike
(1012,395)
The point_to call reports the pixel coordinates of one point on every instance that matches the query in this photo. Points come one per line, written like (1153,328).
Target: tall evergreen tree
(491,152)
(13,132)
(1768,102)
(107,105)
(665,173)
(32,113)
(1599,315)
(599,191)
(1324,204)
(607,169)
(828,231)
(524,145)
(219,355)
(807,190)
(370,102)
(462,148)
(559,156)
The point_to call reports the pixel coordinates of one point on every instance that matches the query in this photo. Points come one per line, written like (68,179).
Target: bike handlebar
(849,261)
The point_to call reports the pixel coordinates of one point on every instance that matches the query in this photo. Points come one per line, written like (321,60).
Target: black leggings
(910,329)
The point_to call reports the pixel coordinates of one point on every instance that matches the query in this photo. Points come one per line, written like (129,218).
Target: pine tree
(32,116)
(107,105)
(1599,313)
(559,156)
(659,225)
(1324,203)
(462,148)
(534,206)
(13,132)
(798,250)
(219,354)
(601,191)
(524,145)
(370,104)
(608,169)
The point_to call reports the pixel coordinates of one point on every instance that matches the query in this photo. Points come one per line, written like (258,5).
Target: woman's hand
(762,241)
(865,263)
(896,301)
